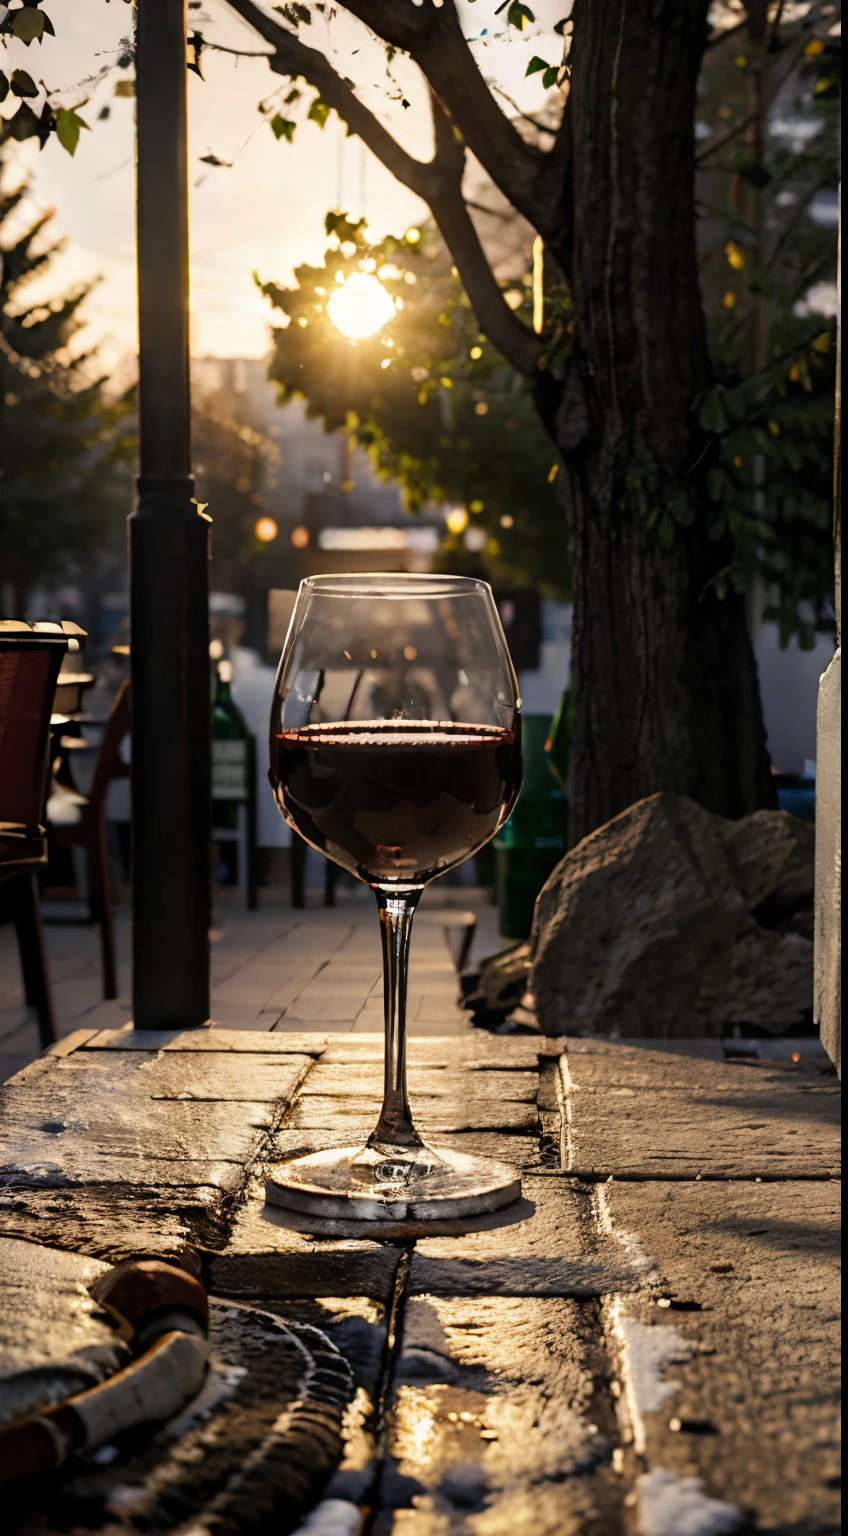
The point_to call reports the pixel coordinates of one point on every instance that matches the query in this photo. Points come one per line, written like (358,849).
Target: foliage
(766,249)
(63,447)
(429,398)
(766,460)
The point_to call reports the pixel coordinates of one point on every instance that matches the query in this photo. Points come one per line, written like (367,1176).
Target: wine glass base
(385,1184)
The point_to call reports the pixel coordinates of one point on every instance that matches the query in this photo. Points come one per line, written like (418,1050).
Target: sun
(360,307)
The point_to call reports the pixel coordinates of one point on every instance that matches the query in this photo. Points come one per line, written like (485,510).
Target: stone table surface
(646,1343)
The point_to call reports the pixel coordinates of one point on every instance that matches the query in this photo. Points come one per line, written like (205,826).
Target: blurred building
(316,478)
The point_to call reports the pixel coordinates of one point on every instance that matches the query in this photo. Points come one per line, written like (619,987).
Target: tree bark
(664,680)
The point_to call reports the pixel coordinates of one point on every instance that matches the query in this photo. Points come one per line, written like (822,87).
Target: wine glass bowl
(395,751)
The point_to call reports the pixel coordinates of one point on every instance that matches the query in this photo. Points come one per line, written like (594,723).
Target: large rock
(672,921)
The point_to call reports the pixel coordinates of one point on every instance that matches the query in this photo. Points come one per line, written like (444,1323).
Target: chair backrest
(109,765)
(30,658)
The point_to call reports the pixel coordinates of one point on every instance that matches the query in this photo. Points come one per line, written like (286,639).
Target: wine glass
(395,751)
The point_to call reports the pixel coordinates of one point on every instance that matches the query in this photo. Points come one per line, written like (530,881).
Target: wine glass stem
(394,1127)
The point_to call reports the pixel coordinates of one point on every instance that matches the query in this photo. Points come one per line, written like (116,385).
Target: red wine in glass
(398,801)
(396,751)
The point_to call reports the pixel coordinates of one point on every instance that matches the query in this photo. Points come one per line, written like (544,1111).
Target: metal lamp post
(168,542)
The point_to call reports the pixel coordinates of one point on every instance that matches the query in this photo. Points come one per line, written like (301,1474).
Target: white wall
(789,684)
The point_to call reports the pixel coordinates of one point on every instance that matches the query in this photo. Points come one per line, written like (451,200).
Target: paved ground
(271,969)
(646,1344)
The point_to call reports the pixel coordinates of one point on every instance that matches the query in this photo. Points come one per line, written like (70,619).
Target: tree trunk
(664,680)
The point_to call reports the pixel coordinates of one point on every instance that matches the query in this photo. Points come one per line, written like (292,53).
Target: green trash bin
(532,843)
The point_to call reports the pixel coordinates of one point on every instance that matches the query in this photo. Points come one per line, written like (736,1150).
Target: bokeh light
(457,520)
(300,537)
(265,530)
(360,307)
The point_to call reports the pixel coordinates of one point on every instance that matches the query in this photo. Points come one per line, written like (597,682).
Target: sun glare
(360,307)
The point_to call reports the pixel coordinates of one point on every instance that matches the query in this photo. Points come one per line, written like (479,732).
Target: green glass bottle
(229,750)
(227,719)
(532,843)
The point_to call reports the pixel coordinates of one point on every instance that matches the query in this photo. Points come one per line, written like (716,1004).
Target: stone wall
(827,998)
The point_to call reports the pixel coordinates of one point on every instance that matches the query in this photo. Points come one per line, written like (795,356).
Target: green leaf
(295,14)
(23,84)
(318,112)
(24,124)
(549,78)
(124,87)
(4,86)
(68,125)
(535,66)
(28,25)
(681,509)
(294,95)
(282,128)
(711,413)
(518,14)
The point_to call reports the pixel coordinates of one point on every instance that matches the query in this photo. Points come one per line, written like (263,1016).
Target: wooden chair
(30,658)
(78,820)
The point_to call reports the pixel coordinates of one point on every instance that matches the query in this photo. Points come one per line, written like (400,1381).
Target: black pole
(169,609)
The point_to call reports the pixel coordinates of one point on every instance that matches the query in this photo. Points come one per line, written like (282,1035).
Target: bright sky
(266,213)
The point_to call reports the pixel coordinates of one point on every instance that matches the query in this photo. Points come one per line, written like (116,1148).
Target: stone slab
(114,1221)
(495,1424)
(268,1256)
(64,1125)
(71,1042)
(47,1313)
(206,1075)
(257,1040)
(432,1116)
(780,1133)
(544,1245)
(604,1065)
(528,1152)
(469,1052)
(366,1079)
(737,1380)
(83,1166)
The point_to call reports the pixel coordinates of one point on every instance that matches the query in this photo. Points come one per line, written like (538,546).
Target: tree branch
(292,57)
(395,21)
(435,40)
(450,211)
(438,182)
